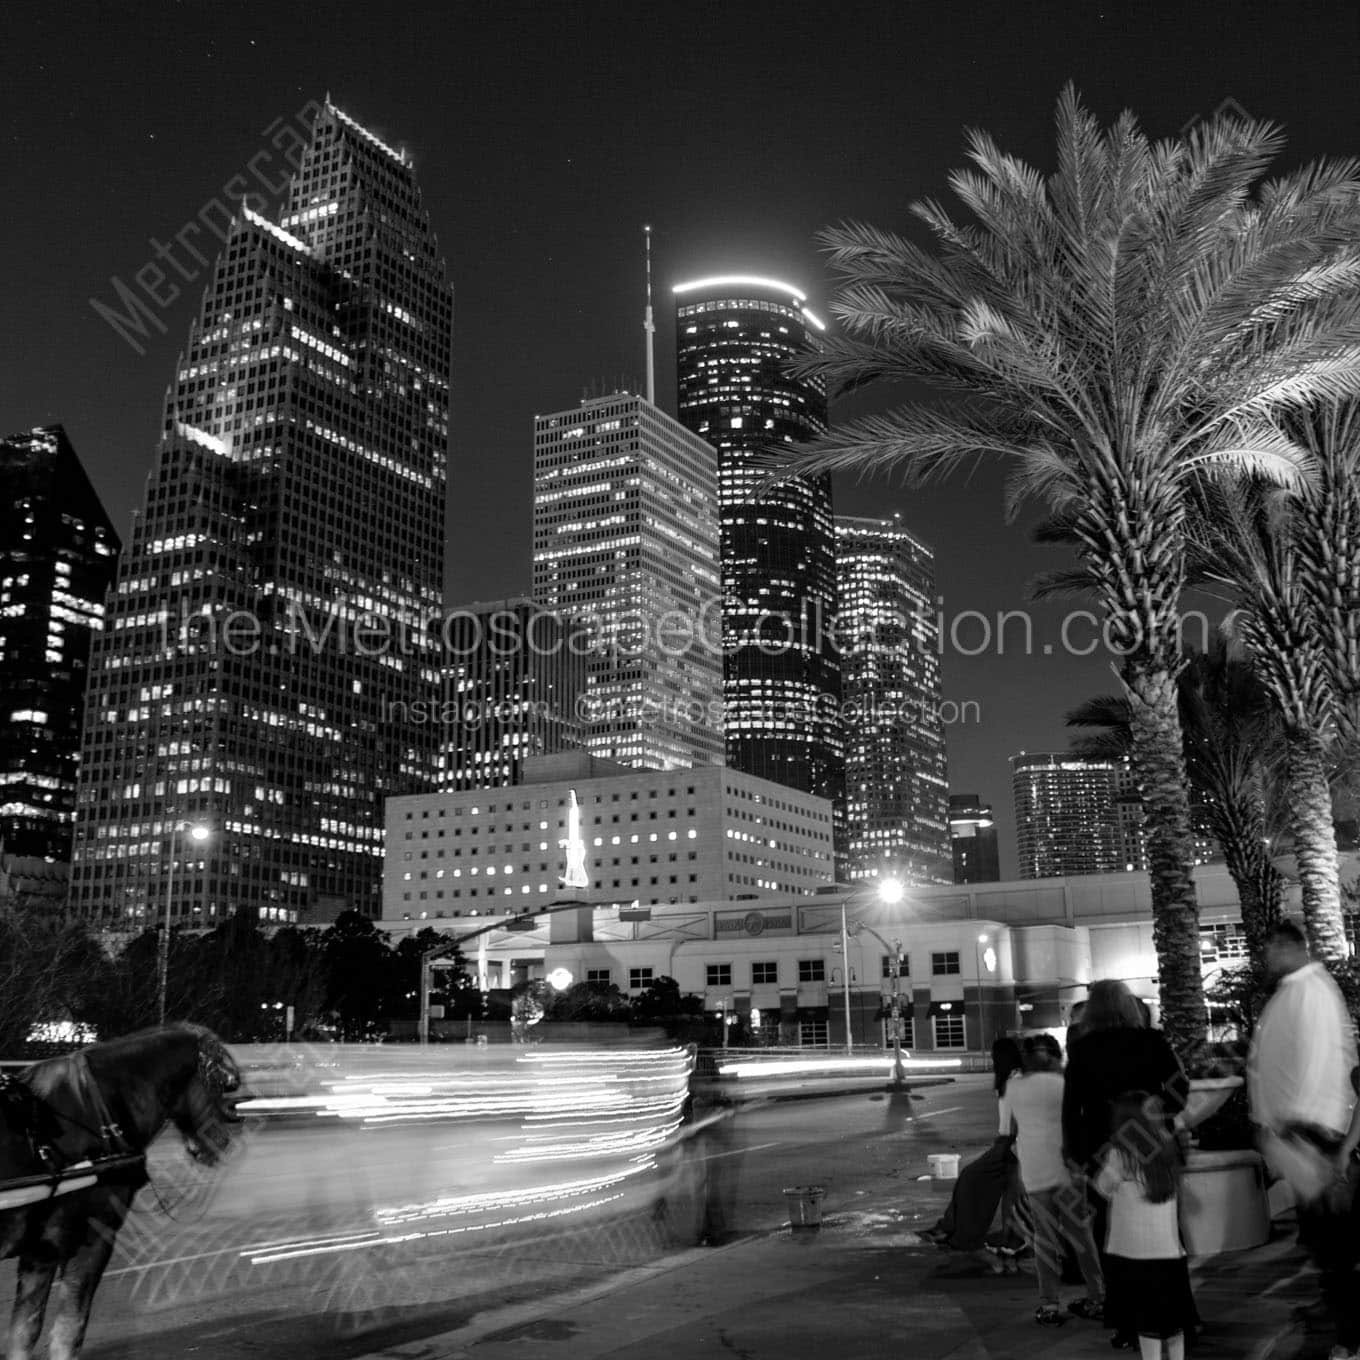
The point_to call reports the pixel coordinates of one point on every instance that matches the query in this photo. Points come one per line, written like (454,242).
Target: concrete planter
(1223,1202)
(1208,1095)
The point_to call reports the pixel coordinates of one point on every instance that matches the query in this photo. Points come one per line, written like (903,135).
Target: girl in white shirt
(1144,1278)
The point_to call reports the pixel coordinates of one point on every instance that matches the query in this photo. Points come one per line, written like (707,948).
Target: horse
(108,1101)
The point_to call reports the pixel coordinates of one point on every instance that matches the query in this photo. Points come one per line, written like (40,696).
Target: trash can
(805,1207)
(944,1166)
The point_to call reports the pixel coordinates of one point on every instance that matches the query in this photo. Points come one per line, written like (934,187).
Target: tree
(454,987)
(1247,541)
(47,967)
(1233,743)
(661,1000)
(597,1001)
(1115,332)
(359,975)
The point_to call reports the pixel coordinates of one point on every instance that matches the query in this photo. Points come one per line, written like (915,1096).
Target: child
(1057,1206)
(1143,1243)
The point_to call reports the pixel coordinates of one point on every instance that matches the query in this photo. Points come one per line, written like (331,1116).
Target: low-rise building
(977,960)
(607,832)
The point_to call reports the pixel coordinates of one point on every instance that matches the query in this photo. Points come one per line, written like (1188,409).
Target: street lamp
(197,833)
(889,891)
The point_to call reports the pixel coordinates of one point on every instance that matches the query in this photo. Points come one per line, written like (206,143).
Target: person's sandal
(1049,1315)
(1093,1310)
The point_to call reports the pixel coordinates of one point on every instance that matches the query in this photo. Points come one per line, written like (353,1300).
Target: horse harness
(35,1118)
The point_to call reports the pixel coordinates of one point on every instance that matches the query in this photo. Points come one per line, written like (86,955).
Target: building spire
(648,326)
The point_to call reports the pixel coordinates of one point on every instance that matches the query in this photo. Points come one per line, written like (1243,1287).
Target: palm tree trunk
(1310,813)
(1239,826)
(1159,758)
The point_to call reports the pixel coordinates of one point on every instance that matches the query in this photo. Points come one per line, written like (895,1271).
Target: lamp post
(845,981)
(895,973)
(890,892)
(198,833)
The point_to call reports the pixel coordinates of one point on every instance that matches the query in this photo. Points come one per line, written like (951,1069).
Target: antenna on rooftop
(647,324)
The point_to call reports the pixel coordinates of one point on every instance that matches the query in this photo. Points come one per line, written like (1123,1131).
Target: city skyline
(540,201)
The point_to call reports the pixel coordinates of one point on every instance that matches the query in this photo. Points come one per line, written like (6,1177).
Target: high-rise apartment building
(58,552)
(625,542)
(972,834)
(1065,821)
(268,641)
(781,676)
(515,679)
(896,777)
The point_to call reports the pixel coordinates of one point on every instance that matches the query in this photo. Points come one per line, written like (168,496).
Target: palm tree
(1115,331)
(1233,741)
(1326,533)
(1246,538)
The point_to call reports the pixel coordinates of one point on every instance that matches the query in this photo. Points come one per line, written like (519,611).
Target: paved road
(279,1256)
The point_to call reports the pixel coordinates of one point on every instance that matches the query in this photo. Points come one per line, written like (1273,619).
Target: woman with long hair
(1144,1256)
(1116,1052)
(987,1181)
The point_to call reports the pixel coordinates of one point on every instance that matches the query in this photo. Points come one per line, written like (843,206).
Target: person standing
(1300,1073)
(1144,1257)
(1114,1053)
(1057,1205)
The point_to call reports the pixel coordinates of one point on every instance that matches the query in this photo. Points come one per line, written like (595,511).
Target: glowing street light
(199,834)
(889,891)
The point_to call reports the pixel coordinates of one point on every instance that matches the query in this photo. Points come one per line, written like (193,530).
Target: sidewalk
(865,1286)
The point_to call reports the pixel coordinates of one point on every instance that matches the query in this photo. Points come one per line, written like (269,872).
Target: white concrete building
(651,836)
(978,960)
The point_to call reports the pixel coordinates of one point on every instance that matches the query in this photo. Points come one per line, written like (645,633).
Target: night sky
(544,136)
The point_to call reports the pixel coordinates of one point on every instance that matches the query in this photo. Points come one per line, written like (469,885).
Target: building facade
(514,680)
(58,552)
(647,835)
(972,836)
(896,775)
(625,540)
(269,635)
(977,962)
(781,674)
(1065,819)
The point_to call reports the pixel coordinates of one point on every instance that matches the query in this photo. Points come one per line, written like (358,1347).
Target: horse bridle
(218,1072)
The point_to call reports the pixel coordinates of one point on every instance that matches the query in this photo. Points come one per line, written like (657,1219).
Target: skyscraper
(266,646)
(57,557)
(1065,820)
(514,683)
(896,778)
(781,678)
(972,832)
(626,541)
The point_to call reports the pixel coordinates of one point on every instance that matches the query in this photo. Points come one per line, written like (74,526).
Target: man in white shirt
(1304,1047)
(1302,1071)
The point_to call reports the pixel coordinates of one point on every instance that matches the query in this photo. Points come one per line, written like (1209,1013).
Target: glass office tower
(268,660)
